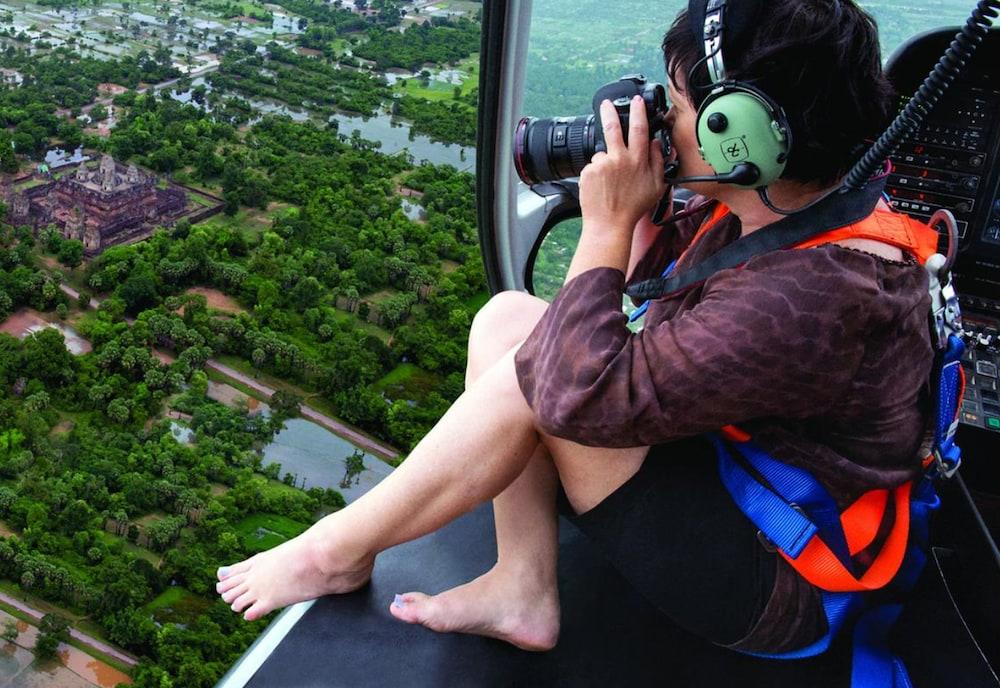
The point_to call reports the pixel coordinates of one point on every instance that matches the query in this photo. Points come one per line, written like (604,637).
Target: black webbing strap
(839,209)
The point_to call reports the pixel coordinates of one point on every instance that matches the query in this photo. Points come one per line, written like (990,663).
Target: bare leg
(517,600)
(466,458)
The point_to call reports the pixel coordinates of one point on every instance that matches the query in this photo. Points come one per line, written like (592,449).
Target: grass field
(477,301)
(407,381)
(177,605)
(140,552)
(201,200)
(439,90)
(264,531)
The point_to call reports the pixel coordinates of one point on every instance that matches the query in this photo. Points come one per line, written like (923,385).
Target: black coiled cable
(927,96)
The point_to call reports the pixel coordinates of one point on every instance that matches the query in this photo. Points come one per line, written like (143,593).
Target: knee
(508,314)
(503,322)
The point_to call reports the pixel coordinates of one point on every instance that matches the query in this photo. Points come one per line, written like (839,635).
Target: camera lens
(550,149)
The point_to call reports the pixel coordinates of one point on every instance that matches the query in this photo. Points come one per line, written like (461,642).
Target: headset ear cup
(738,124)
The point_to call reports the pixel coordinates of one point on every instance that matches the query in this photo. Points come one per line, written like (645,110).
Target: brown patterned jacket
(822,354)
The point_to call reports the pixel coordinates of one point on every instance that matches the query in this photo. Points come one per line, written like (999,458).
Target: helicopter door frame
(512,216)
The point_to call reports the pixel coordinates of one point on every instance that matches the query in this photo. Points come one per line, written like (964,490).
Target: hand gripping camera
(559,148)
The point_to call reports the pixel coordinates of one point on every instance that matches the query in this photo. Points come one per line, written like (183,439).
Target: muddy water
(90,669)
(26,321)
(72,668)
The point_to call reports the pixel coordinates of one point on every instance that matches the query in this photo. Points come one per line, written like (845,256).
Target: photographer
(819,353)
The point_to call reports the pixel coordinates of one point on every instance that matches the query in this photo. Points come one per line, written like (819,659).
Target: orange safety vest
(861,520)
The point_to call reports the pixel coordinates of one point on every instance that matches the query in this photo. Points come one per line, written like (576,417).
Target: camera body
(549,149)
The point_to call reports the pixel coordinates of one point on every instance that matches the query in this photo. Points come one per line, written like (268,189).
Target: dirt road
(331,424)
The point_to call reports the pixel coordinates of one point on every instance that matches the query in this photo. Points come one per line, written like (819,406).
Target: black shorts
(673,531)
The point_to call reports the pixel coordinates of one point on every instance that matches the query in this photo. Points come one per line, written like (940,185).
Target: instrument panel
(953,161)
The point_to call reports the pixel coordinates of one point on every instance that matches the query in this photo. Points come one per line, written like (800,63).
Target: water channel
(394,135)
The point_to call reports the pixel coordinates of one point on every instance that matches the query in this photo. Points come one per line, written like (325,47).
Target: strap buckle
(944,468)
(946,314)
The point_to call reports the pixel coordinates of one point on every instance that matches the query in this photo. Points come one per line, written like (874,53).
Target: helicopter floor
(610,635)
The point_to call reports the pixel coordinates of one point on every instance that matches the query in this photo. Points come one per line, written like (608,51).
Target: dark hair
(819,60)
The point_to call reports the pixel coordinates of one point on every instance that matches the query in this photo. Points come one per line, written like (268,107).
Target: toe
(232,594)
(257,610)
(243,601)
(233,581)
(225,572)
(410,607)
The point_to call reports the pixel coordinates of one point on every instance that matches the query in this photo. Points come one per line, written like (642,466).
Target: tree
(71,253)
(8,161)
(10,631)
(285,404)
(354,465)
(53,630)
(44,356)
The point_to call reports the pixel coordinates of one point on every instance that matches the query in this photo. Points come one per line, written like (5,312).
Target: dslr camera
(550,149)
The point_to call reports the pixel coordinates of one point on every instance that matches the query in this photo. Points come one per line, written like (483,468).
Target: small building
(11,77)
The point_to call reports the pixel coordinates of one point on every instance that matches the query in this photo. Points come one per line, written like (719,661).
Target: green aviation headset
(742,133)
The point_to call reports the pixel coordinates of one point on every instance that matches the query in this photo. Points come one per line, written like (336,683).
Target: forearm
(601,247)
(643,238)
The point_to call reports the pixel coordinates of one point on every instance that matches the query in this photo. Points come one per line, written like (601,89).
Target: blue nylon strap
(800,492)
(873,665)
(946,403)
(839,608)
(786,527)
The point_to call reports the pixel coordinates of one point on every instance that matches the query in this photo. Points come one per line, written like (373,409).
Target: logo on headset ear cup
(737,124)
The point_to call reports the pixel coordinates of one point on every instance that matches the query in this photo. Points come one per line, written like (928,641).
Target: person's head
(818,59)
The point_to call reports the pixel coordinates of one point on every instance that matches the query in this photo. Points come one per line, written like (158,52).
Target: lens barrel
(547,149)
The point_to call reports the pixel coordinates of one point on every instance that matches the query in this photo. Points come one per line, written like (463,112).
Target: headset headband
(712,35)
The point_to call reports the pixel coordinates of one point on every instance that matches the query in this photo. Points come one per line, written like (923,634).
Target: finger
(638,126)
(612,128)
(655,154)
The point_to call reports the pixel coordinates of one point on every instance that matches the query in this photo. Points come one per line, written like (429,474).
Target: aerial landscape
(238,265)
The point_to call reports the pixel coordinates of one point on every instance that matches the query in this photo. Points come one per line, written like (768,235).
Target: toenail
(223,571)
(399,602)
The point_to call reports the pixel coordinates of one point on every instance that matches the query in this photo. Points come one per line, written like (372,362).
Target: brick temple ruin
(104,206)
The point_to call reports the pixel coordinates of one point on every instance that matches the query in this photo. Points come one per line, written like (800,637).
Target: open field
(217,300)
(263,531)
(177,605)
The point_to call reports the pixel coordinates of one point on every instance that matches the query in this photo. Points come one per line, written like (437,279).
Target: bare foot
(314,564)
(520,610)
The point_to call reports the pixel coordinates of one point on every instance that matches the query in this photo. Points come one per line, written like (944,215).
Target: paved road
(87,640)
(331,424)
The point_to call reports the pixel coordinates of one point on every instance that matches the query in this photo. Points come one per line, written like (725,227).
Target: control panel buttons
(986,368)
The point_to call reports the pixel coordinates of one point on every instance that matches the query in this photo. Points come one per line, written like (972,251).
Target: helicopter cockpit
(538,58)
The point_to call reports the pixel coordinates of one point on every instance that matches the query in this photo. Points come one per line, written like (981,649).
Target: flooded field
(27,321)
(315,454)
(72,668)
(115,29)
(394,135)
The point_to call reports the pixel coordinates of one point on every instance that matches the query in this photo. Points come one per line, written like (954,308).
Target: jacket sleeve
(771,339)
(671,242)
